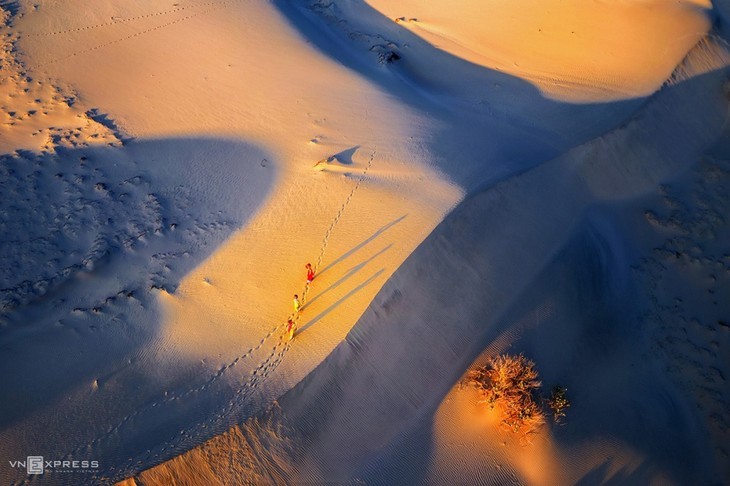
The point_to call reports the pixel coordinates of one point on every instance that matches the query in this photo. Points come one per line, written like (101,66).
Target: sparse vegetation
(511,384)
(558,403)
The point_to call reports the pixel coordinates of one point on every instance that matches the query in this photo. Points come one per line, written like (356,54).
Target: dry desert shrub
(511,384)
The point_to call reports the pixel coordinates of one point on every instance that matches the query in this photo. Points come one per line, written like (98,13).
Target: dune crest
(574,51)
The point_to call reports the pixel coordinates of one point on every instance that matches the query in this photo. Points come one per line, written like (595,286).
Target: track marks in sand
(688,280)
(55,222)
(235,406)
(72,216)
(386,50)
(338,216)
(214,6)
(323,247)
(35,114)
(256,377)
(161,13)
(243,392)
(184,439)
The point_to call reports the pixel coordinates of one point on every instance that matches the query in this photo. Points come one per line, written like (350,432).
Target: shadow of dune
(100,233)
(578,322)
(505,119)
(400,462)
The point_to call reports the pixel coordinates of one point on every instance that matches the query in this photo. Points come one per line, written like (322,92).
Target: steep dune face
(506,270)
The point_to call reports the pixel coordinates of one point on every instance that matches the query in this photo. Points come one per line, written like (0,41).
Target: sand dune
(466,178)
(574,51)
(348,420)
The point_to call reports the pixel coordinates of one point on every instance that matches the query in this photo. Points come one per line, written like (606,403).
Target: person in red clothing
(290,328)
(310,273)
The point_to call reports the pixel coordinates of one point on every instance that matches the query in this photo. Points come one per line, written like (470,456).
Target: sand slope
(248,138)
(572,50)
(567,302)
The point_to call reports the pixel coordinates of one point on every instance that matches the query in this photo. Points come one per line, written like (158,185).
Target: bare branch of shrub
(511,383)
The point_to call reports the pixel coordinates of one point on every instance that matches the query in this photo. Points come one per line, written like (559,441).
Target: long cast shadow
(357,247)
(352,271)
(329,309)
(645,473)
(505,118)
